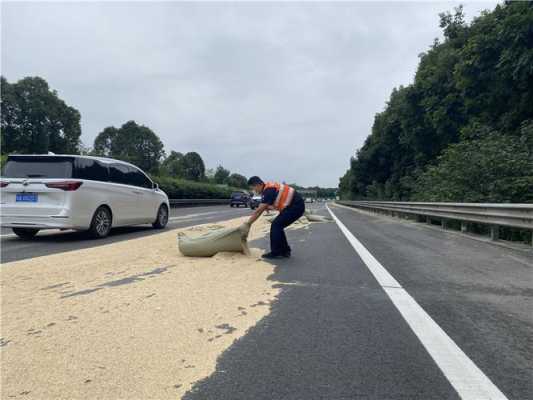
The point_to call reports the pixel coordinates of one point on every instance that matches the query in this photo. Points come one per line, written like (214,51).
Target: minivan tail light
(68,186)
(3,184)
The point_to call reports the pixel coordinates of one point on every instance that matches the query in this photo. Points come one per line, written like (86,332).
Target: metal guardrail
(196,202)
(492,214)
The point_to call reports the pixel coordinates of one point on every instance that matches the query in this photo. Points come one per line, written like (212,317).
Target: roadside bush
(493,169)
(183,189)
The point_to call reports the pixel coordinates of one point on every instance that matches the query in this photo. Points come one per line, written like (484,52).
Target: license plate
(27,197)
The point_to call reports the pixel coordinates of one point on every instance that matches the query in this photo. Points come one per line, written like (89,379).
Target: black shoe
(272,256)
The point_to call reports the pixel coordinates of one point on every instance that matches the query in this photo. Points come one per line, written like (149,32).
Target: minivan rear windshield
(38,167)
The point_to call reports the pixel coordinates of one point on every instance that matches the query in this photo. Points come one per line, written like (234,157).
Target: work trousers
(278,240)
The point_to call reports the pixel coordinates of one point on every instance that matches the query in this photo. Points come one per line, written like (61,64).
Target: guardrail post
(464,227)
(494,232)
(428,220)
(444,223)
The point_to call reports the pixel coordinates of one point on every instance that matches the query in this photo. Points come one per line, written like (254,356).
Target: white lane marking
(8,235)
(189,218)
(465,377)
(192,215)
(181,220)
(200,215)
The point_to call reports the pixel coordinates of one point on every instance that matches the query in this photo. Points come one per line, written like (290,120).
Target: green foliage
(172,165)
(221,175)
(193,167)
(237,180)
(131,142)
(3,159)
(189,166)
(345,185)
(319,192)
(477,83)
(35,120)
(210,176)
(183,189)
(495,168)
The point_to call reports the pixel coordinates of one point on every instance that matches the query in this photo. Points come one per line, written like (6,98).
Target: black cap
(255,180)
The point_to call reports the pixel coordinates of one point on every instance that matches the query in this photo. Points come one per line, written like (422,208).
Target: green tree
(172,165)
(35,120)
(193,167)
(477,82)
(496,168)
(210,175)
(237,180)
(221,175)
(133,143)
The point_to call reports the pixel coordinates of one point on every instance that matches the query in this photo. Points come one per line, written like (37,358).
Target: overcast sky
(287,91)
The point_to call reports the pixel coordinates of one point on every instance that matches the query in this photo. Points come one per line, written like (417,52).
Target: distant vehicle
(255,201)
(309,200)
(85,193)
(239,198)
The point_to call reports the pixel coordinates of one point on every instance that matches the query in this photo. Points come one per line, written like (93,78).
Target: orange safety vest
(285,194)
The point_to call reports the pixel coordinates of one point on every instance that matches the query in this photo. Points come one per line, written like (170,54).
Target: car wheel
(101,223)
(25,233)
(162,217)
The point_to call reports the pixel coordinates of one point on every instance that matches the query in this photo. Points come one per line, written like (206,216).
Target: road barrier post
(494,232)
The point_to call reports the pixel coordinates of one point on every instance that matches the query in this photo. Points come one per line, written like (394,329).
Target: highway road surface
(335,333)
(369,307)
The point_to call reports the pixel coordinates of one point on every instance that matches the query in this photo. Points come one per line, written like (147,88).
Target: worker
(290,205)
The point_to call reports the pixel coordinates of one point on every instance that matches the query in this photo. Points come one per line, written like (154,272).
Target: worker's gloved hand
(245,229)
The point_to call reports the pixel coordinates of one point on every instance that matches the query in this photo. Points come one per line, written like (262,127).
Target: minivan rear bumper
(15,217)
(38,222)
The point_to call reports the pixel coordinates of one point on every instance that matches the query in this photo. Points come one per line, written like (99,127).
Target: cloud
(287,91)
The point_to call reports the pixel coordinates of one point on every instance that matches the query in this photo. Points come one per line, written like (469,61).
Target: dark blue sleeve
(269,196)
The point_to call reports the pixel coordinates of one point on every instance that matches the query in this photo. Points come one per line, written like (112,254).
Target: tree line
(34,120)
(463,130)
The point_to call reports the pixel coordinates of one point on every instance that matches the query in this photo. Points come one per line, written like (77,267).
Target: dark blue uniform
(278,240)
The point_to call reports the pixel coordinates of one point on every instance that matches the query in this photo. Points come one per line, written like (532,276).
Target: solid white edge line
(465,377)
(189,216)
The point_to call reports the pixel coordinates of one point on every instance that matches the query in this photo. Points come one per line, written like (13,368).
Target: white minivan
(77,192)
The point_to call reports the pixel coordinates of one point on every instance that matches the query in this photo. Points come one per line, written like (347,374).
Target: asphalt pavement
(336,332)
(54,241)
(333,333)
